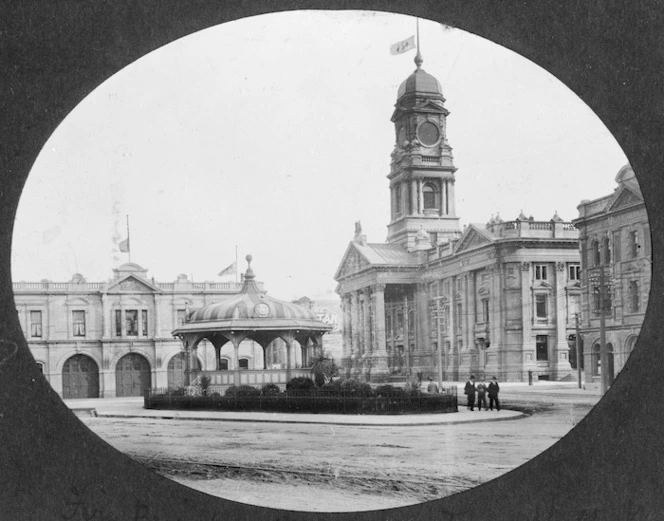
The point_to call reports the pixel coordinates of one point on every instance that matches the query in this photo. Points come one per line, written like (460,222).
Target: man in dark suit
(469,391)
(493,393)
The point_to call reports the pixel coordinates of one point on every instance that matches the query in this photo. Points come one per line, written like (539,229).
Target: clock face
(428,133)
(262,309)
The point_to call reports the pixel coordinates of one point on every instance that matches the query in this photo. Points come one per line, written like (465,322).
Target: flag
(228,270)
(403,46)
(124,245)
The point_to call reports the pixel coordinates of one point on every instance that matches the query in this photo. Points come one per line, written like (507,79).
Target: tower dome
(420,83)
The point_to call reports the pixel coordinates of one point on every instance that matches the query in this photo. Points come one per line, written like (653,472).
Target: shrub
(300,383)
(242,391)
(355,388)
(389,390)
(204,383)
(270,390)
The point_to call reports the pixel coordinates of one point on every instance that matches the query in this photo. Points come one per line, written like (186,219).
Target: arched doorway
(132,375)
(176,370)
(80,378)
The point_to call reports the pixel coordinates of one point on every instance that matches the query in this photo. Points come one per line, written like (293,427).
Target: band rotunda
(490,299)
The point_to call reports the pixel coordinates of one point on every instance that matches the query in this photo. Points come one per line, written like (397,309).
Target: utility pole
(406,337)
(578,350)
(440,345)
(603,356)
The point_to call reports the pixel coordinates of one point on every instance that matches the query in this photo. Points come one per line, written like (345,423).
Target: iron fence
(314,401)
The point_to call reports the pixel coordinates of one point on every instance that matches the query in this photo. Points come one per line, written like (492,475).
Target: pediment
(131,284)
(353,262)
(623,198)
(430,106)
(632,267)
(471,239)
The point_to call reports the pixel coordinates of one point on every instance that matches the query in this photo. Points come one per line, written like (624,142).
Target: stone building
(491,299)
(615,257)
(105,339)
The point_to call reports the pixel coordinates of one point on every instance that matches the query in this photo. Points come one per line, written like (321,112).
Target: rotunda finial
(249,273)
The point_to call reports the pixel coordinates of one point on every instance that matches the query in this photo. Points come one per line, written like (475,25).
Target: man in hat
(432,387)
(469,391)
(493,393)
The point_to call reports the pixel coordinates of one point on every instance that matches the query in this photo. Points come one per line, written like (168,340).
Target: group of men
(481,390)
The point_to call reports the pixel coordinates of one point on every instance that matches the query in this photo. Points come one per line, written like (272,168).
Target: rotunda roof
(251,309)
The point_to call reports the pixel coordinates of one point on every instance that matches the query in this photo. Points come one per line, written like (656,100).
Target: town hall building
(491,299)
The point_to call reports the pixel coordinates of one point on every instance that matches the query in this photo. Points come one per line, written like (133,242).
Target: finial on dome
(249,273)
(418,59)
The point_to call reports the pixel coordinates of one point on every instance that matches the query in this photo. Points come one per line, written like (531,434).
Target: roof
(387,254)
(252,310)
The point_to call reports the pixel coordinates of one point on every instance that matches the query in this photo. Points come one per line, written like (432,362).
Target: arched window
(597,260)
(223,364)
(429,197)
(244,363)
(606,250)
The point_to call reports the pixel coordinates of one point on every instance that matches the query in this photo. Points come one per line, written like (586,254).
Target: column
(355,327)
(289,344)
(450,198)
(420,198)
(380,368)
(453,358)
(560,352)
(157,316)
(422,330)
(366,311)
(236,362)
(496,324)
(105,317)
(413,198)
(520,363)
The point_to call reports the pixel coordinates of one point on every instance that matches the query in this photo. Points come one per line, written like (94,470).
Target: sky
(271,136)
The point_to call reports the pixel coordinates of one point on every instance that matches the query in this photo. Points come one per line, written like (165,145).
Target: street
(338,467)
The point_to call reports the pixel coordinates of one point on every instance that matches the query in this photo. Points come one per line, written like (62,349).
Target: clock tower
(422,170)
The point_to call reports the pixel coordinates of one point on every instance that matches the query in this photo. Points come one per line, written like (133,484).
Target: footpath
(538,392)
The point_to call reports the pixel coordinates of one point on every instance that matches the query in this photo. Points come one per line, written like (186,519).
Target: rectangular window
(574,272)
(540,306)
(118,322)
(35,324)
(144,322)
(616,246)
(78,321)
(596,299)
(540,272)
(181,316)
(485,310)
(542,347)
(633,244)
(459,321)
(131,322)
(634,295)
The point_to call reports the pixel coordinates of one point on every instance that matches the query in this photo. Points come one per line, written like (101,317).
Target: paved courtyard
(325,463)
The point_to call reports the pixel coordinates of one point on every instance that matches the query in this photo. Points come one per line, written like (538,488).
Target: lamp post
(578,349)
(603,355)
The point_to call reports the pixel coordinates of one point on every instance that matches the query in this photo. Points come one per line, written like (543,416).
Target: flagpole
(236,263)
(128,240)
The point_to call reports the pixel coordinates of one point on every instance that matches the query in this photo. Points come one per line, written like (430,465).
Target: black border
(53,53)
